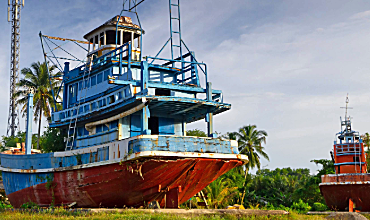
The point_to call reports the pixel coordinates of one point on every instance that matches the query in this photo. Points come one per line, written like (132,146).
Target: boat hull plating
(338,189)
(131,183)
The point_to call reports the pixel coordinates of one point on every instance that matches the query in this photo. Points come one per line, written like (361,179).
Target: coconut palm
(250,142)
(37,78)
(219,192)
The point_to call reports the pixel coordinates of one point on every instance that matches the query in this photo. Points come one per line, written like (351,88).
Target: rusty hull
(338,189)
(130,183)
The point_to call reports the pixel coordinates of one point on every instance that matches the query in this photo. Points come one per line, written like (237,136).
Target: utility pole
(14,17)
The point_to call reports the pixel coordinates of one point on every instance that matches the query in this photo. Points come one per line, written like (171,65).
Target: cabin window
(105,127)
(99,78)
(111,37)
(80,86)
(80,110)
(126,92)
(153,125)
(162,92)
(114,124)
(102,102)
(99,128)
(87,108)
(106,74)
(111,99)
(93,105)
(86,132)
(126,37)
(101,39)
(96,42)
(80,131)
(356,159)
(87,83)
(91,43)
(93,81)
(119,96)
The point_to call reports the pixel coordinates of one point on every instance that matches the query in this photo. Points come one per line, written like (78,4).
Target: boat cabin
(115,32)
(349,155)
(116,79)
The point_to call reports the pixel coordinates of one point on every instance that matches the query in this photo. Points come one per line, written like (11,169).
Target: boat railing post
(29,122)
(120,63)
(129,46)
(209,116)
(145,115)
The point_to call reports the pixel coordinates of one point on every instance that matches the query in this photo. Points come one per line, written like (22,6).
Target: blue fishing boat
(125,120)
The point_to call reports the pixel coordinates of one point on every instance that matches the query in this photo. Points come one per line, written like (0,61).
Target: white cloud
(361,15)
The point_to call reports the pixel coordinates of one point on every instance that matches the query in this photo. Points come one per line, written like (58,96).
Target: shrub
(30,205)
(301,206)
(5,206)
(319,207)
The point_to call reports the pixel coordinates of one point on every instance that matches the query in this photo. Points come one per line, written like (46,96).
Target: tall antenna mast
(347,101)
(14,17)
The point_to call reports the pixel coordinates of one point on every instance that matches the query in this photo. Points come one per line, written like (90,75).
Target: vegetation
(52,140)
(133,214)
(36,78)
(286,188)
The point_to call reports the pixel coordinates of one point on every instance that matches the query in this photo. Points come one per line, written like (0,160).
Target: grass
(64,214)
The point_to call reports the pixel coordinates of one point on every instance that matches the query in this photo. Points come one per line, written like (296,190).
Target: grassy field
(63,214)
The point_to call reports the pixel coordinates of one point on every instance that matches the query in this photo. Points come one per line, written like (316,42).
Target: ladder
(74,116)
(175,30)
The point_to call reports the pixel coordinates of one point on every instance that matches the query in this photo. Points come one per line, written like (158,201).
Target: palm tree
(37,78)
(219,191)
(250,142)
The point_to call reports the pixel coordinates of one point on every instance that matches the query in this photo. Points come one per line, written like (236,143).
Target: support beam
(350,205)
(209,116)
(144,75)
(172,198)
(29,123)
(145,115)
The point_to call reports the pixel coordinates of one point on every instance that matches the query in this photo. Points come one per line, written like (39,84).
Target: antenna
(347,101)
(14,6)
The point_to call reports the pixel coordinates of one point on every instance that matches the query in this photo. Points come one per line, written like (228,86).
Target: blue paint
(178,144)
(166,126)
(17,181)
(135,127)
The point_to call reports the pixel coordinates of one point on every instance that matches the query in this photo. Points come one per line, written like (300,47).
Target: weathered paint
(116,152)
(132,183)
(350,185)
(116,161)
(338,193)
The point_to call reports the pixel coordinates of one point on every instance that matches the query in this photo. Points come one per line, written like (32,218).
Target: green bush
(319,207)
(301,206)
(30,205)
(5,206)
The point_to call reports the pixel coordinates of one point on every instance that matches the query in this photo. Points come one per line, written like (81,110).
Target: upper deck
(118,94)
(349,154)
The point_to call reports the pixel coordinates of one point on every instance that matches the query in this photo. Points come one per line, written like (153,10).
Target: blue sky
(285,66)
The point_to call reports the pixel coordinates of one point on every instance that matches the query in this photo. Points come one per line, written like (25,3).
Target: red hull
(337,196)
(133,183)
(338,189)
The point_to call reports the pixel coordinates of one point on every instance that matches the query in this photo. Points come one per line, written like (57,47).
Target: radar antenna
(347,120)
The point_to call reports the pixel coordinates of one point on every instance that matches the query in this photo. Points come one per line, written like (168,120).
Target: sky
(284,65)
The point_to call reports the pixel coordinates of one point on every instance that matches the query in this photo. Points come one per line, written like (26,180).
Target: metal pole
(47,68)
(29,123)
